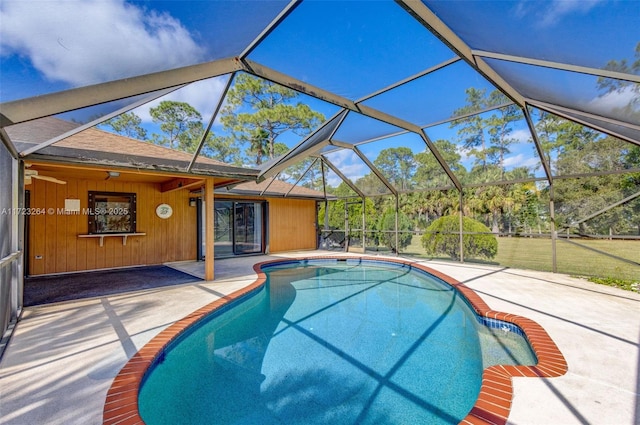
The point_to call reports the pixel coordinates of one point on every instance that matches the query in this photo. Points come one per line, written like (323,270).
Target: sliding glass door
(238,228)
(247,228)
(223,229)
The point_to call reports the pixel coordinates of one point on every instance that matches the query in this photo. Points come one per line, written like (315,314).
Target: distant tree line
(257,113)
(570,148)
(255,116)
(512,208)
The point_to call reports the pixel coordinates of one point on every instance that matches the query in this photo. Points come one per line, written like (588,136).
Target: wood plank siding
(54,245)
(56,248)
(292,224)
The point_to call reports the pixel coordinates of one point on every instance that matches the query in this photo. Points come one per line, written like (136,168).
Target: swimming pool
(355,341)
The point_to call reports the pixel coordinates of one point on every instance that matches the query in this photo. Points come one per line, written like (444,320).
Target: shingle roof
(103,141)
(40,130)
(277,188)
(106,145)
(97,146)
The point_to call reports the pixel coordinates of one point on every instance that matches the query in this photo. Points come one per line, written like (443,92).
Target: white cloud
(617,99)
(550,13)
(88,41)
(333,180)
(561,8)
(463,152)
(354,171)
(521,160)
(344,161)
(521,136)
(202,95)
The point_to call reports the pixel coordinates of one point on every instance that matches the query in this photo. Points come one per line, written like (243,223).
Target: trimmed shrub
(442,238)
(388,223)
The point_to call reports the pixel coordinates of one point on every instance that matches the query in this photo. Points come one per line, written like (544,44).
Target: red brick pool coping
(492,406)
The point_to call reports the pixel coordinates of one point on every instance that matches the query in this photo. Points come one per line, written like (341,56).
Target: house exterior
(97,200)
(290,215)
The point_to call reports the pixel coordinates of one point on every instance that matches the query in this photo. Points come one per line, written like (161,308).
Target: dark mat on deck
(51,289)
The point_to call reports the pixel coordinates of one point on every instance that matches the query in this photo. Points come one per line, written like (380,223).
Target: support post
(397,208)
(326,215)
(461,227)
(208,226)
(325,234)
(17,239)
(346,227)
(552,214)
(364,227)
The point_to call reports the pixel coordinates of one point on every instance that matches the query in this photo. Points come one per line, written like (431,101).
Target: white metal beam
(409,79)
(272,25)
(92,123)
(436,153)
(568,113)
(470,114)
(555,107)
(558,65)
(344,178)
(301,176)
(6,141)
(536,141)
(278,164)
(32,108)
(430,20)
(287,81)
(223,95)
(375,170)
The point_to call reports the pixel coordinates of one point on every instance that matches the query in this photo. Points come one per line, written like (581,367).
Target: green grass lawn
(535,254)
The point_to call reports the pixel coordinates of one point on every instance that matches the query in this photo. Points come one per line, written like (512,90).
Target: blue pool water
(332,342)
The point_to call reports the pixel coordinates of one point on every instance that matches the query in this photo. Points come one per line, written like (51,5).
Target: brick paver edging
(493,403)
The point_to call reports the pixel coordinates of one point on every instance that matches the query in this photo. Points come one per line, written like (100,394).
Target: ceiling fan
(33,174)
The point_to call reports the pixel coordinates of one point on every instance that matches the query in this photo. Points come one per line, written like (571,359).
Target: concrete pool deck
(62,359)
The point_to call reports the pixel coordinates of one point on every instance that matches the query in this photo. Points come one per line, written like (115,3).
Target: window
(112,212)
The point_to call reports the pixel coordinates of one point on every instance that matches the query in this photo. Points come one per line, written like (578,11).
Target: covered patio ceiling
(385,74)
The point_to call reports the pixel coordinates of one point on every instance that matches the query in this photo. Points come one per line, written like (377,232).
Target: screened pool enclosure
(495,131)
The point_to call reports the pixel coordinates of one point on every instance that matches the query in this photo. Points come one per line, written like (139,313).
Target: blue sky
(49,45)
(350,47)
